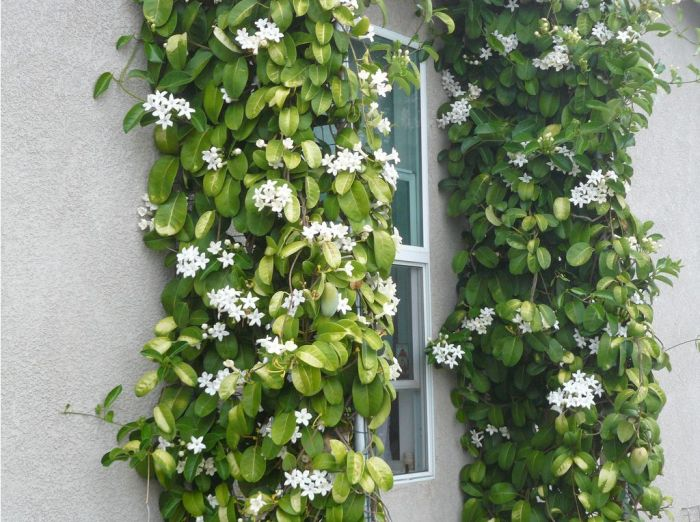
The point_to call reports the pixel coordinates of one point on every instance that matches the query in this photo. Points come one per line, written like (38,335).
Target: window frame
(419,257)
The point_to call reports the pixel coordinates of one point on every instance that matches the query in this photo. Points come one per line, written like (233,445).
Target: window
(407,435)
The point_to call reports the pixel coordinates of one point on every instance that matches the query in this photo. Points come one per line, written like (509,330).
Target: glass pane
(404,434)
(403,110)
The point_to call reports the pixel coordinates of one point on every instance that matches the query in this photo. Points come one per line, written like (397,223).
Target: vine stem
(696,340)
(68,411)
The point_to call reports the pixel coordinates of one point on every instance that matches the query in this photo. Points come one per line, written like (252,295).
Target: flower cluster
(446,353)
(267,32)
(213,158)
(450,85)
(338,233)
(210,383)
(477,437)
(378,81)
(389,172)
(578,392)
(217,331)
(344,160)
(395,369)
(190,260)
(602,33)
(556,59)
(146,213)
(459,109)
(293,301)
(162,105)
(387,289)
(509,42)
(274,346)
(594,190)
(238,307)
(311,483)
(272,195)
(481,323)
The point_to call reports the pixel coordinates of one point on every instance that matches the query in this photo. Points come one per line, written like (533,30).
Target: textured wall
(81,293)
(666,190)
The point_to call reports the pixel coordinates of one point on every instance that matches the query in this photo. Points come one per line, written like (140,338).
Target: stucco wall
(81,293)
(666,190)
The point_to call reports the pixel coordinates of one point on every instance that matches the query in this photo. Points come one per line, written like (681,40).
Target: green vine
(282,244)
(552,333)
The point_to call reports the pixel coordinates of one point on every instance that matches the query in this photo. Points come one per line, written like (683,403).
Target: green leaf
(445,19)
(235,77)
(170,217)
(354,466)
(193,502)
(607,478)
(306,379)
(252,464)
(578,254)
(240,12)
(157,12)
(161,178)
(381,473)
(384,249)
(283,427)
(502,493)
(133,117)
(521,510)
(102,84)
(204,224)
(312,153)
(255,103)
(355,202)
(289,120)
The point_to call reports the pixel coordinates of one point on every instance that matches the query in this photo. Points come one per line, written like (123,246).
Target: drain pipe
(360,435)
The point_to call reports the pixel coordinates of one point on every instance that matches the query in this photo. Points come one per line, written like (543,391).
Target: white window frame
(419,256)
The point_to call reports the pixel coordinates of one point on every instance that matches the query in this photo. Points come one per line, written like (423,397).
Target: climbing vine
(552,335)
(271,201)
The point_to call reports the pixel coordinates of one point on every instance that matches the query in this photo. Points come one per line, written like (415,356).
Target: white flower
(293,300)
(274,346)
(260,143)
(218,331)
(164,444)
(504,432)
(387,289)
(303,417)
(519,159)
(578,392)
(344,160)
(477,438)
(556,59)
(602,33)
(629,35)
(523,325)
(267,32)
(224,94)
(594,189)
(458,113)
(395,370)
(481,323)
(255,504)
(327,231)
(273,196)
(348,269)
(190,260)
(512,5)
(485,53)
(343,306)
(213,158)
(447,353)
(212,501)
(384,126)
(525,178)
(214,247)
(226,259)
(288,143)
(450,85)
(296,435)
(491,429)
(162,105)
(509,42)
(380,82)
(196,445)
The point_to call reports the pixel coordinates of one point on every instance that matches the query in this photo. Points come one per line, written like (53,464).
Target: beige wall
(81,293)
